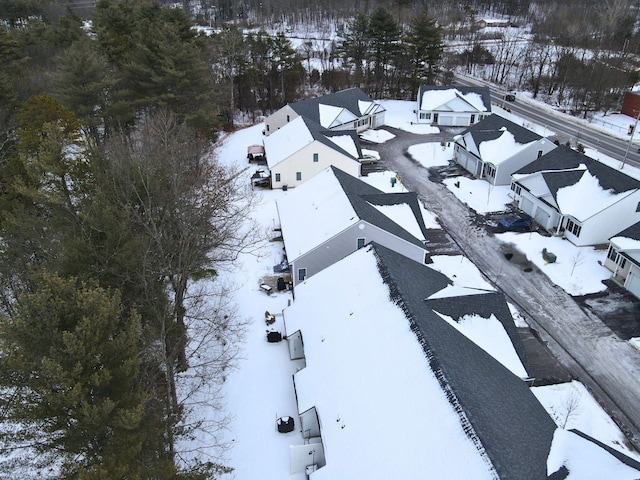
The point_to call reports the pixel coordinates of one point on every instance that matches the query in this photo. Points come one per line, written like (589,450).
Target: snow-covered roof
(628,239)
(490,335)
(501,138)
(502,148)
(580,186)
(301,132)
(572,199)
(314,212)
(333,200)
(337,108)
(382,410)
(440,98)
(286,141)
(490,400)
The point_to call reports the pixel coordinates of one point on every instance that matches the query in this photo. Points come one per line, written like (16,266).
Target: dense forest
(115,215)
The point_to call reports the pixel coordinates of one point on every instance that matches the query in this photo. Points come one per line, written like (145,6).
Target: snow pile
(479,195)
(584,459)
(376,136)
(431,154)
(572,407)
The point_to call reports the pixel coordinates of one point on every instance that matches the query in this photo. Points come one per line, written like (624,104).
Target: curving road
(608,366)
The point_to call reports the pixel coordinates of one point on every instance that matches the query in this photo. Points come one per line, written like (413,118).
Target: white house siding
(524,157)
(346,242)
(600,227)
(302,161)
(278,119)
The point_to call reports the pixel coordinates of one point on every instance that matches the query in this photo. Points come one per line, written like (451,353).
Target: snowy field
(261,390)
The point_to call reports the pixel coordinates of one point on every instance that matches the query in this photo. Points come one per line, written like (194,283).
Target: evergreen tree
(70,361)
(385,45)
(82,82)
(424,45)
(354,47)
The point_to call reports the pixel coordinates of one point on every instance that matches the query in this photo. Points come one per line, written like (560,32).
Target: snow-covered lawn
(479,195)
(400,115)
(432,154)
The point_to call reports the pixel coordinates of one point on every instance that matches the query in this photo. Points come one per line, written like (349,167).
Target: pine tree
(424,46)
(71,358)
(385,44)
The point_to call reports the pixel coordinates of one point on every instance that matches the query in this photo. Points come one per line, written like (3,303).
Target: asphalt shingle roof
(361,195)
(490,128)
(496,408)
(319,133)
(564,158)
(348,99)
(630,232)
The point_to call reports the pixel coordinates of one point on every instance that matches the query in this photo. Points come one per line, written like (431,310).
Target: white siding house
(623,259)
(496,148)
(572,195)
(335,214)
(302,149)
(350,109)
(453,106)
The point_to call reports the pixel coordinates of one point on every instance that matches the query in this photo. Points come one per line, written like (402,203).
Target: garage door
(633,284)
(526,205)
(542,217)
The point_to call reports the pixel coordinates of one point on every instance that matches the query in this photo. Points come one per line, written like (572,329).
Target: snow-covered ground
(261,390)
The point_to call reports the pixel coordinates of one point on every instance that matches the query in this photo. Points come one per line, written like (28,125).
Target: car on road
(516,223)
(510,97)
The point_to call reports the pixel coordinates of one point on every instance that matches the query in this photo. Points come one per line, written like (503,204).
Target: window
(361,242)
(425,116)
(638,207)
(539,153)
(435,118)
(516,188)
(302,274)
(612,254)
(287,118)
(298,176)
(574,228)
(489,170)
(315,157)
(277,177)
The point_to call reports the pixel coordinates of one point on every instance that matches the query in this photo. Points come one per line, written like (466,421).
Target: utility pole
(635,126)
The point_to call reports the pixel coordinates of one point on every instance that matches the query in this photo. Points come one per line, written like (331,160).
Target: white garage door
(542,217)
(633,284)
(526,205)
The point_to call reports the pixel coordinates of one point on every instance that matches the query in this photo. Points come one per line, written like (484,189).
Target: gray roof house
(575,196)
(453,106)
(495,148)
(303,148)
(350,109)
(623,258)
(396,373)
(334,214)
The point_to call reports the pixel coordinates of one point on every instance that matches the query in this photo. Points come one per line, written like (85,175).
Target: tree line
(113,212)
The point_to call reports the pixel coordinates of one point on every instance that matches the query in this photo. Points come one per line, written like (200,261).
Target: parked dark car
(516,223)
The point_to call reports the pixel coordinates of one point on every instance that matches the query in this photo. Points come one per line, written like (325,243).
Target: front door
(435,118)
